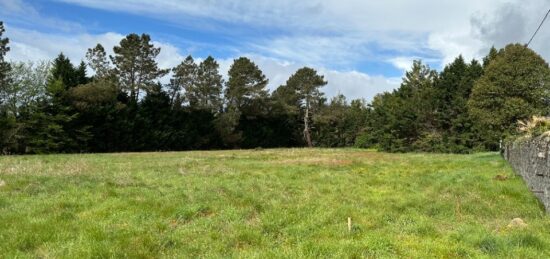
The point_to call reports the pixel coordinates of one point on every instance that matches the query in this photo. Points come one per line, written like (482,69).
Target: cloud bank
(335,37)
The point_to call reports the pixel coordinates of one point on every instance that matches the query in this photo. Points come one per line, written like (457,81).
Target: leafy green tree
(183,83)
(153,122)
(135,64)
(246,98)
(101,113)
(514,86)
(378,129)
(493,52)
(303,86)
(27,86)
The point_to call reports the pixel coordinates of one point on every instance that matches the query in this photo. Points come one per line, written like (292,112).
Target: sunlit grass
(267,203)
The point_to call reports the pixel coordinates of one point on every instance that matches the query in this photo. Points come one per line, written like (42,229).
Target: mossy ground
(282,203)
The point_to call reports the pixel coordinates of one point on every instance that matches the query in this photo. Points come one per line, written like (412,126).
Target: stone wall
(530,159)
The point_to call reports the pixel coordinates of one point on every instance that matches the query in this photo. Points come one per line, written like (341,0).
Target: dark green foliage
(246,99)
(7,122)
(515,86)
(452,91)
(302,94)
(50,128)
(63,69)
(338,124)
(99,108)
(8,131)
(246,89)
(467,107)
(404,120)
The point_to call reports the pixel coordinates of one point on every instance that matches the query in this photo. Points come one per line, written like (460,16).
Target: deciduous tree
(515,86)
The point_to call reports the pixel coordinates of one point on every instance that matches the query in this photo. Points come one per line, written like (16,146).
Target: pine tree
(183,83)
(209,86)
(404,120)
(305,84)
(452,92)
(135,64)
(63,69)
(97,60)
(246,89)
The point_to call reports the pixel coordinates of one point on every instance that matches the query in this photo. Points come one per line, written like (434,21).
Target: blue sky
(362,47)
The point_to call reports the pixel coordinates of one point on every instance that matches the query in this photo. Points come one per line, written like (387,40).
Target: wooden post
(349,224)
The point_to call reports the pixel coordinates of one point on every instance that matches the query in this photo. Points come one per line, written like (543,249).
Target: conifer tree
(205,94)
(246,89)
(183,83)
(97,60)
(135,64)
(305,85)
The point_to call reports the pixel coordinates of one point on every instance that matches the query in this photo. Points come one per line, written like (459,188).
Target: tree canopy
(130,103)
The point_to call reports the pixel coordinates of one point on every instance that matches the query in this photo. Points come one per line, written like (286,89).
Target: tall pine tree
(246,89)
(206,93)
(135,64)
(183,83)
(303,87)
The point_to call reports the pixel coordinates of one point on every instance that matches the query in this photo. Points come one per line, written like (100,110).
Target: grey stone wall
(530,159)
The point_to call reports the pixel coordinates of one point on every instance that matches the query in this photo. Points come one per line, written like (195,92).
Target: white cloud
(403,63)
(336,33)
(356,85)
(25,46)
(353,84)
(333,36)
(34,45)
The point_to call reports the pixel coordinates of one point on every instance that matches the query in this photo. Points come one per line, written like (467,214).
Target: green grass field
(284,203)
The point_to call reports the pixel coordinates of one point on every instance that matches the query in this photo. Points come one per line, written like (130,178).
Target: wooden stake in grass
(349,224)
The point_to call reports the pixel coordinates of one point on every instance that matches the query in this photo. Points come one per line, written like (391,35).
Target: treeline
(53,107)
(467,107)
